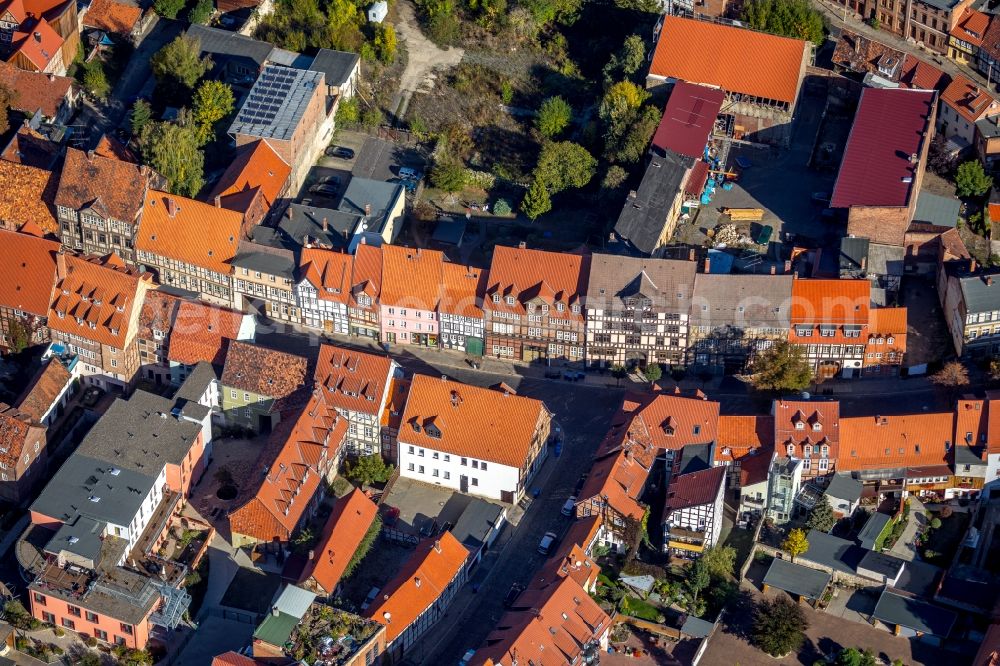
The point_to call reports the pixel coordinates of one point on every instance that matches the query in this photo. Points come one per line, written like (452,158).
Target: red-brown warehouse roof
(888,129)
(734,59)
(688,119)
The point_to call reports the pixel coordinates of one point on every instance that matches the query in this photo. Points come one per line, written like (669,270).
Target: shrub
(946,511)
(481,179)
(91,641)
(59,631)
(936,524)
(502,207)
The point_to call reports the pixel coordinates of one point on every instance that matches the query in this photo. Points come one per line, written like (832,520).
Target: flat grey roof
(276,103)
(882,564)
(797,579)
(885,259)
(224,42)
(833,552)
(335,65)
(845,487)
(116,489)
(361,192)
(265,258)
(644,215)
(697,627)
(914,614)
(81,536)
(476,522)
(937,210)
(853,251)
(873,527)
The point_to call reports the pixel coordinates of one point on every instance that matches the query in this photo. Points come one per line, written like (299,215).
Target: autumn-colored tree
(796,543)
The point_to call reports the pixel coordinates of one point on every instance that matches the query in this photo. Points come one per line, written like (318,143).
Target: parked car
(406,173)
(467,657)
(515,590)
(545,545)
(370,599)
(339,151)
(569,507)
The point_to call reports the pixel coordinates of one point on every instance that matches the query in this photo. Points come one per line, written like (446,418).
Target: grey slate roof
(742,301)
(853,254)
(833,552)
(215,41)
(937,210)
(300,221)
(797,579)
(335,65)
(644,215)
(845,487)
(893,608)
(83,476)
(194,386)
(967,455)
(140,434)
(882,564)
(885,259)
(989,127)
(668,283)
(276,103)
(475,523)
(265,258)
(873,527)
(980,296)
(380,195)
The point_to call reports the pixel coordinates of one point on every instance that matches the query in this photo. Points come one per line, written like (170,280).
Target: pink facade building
(411,291)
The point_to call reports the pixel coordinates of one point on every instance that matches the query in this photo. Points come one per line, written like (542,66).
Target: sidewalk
(834,14)
(904,547)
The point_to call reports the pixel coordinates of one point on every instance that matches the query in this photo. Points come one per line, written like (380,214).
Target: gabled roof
(26,196)
(742,301)
(30,148)
(422,579)
(95,299)
(830,301)
(688,119)
(695,488)
(674,421)
(233,659)
(643,215)
(881,442)
(552,277)
(39,45)
(470,421)
(27,272)
(820,425)
(667,283)
(462,290)
(15,429)
(411,278)
(971,27)
(922,75)
(157,314)
(43,389)
(202,332)
(110,16)
(225,43)
(879,166)
(353,380)
(844,486)
(35,90)
(263,371)
(367,276)
(972,101)
(329,272)
(346,527)
(336,66)
(887,321)
(773,71)
(113,188)
(256,171)
(188,230)
(113,149)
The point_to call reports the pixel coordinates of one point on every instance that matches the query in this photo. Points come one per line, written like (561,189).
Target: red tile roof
(463,290)
(113,188)
(114,17)
(879,442)
(329,272)
(30,148)
(674,421)
(257,172)
(16,432)
(188,230)
(43,389)
(411,278)
(353,380)
(36,91)
(283,482)
(233,659)
(114,149)
(695,488)
(742,435)
(421,581)
(536,276)
(158,311)
(263,371)
(39,45)
(27,196)
(802,423)
(971,27)
(27,272)
(688,119)
(773,71)
(888,129)
(755,468)
(970,100)
(96,298)
(472,421)
(367,275)
(922,75)
(202,332)
(830,302)
(346,527)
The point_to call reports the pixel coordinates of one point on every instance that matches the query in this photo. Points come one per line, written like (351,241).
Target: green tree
(502,207)
(95,80)
(213,101)
(364,547)
(822,517)
(142,115)
(168,8)
(653,372)
(855,657)
(620,110)
(614,178)
(201,12)
(778,626)
(449,175)
(546,12)
(15,614)
(7,97)
(19,334)
(781,367)
(348,112)
(536,201)
(385,42)
(633,55)
(696,579)
(632,146)
(554,115)
(648,6)
(935,523)
(179,64)
(971,180)
(795,543)
(172,149)
(367,470)
(564,164)
(720,561)
(789,18)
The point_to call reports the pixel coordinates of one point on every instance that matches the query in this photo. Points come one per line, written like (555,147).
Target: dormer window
(510,300)
(545,309)
(496,298)
(560,307)
(807,450)
(817,427)
(576,308)
(799,425)
(790,449)
(61,314)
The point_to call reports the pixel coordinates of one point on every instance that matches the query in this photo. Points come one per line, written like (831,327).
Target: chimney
(774,270)
(973,265)
(691,256)
(437,546)
(326,225)
(171,206)
(274,611)
(344,232)
(52,77)
(989,280)
(787,268)
(288,212)
(708,264)
(416,581)
(312,554)
(38,37)
(368,209)
(522,245)
(61,264)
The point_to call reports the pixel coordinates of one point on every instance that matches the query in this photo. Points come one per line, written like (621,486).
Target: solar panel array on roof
(264,102)
(277,102)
